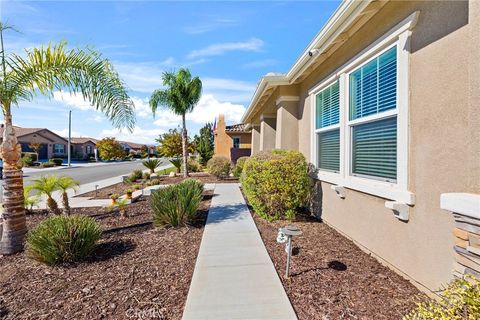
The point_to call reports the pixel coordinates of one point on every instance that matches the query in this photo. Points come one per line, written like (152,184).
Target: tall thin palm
(181,94)
(45,70)
(46,186)
(65,183)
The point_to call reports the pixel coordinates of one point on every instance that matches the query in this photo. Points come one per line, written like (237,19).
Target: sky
(229,45)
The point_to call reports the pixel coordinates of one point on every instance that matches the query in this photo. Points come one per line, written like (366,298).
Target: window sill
(381,189)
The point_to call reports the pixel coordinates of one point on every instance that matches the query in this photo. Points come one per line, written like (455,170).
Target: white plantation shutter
(373,90)
(327,106)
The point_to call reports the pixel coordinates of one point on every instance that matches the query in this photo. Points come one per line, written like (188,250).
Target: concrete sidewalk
(234,277)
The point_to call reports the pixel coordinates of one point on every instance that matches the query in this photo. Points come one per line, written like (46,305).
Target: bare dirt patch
(136,270)
(331,278)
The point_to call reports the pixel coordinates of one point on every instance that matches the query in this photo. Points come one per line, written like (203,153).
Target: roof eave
(341,18)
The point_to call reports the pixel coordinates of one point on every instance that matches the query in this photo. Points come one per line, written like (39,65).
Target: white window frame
(55,148)
(398,36)
(325,85)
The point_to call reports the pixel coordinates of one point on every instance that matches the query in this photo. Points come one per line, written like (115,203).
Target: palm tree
(64,183)
(46,186)
(29,201)
(151,164)
(181,94)
(42,71)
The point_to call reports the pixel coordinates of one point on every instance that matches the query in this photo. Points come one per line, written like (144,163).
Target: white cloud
(142,108)
(64,133)
(139,135)
(166,119)
(210,26)
(260,63)
(253,44)
(143,76)
(207,109)
(96,118)
(73,100)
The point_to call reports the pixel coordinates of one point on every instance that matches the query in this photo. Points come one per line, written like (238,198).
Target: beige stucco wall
(287,125)
(444,137)
(255,139)
(440,130)
(268,127)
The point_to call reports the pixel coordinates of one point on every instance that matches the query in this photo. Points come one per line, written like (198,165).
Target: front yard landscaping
(121,188)
(135,269)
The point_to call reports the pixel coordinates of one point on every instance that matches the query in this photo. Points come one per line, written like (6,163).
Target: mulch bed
(105,193)
(136,272)
(331,278)
(121,188)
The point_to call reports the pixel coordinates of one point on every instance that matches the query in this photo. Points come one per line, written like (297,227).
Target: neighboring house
(131,147)
(385,103)
(83,147)
(232,141)
(51,144)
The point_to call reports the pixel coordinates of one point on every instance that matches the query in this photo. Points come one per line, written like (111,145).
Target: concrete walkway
(234,277)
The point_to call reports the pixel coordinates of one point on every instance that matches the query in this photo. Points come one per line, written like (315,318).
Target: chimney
(221,122)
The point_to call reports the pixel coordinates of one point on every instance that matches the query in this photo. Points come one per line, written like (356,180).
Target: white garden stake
(286,234)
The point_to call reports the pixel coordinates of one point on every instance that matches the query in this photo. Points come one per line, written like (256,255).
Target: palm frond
(83,71)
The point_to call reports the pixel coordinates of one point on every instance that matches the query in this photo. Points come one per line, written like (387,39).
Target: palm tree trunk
(12,220)
(66,204)
(53,206)
(184,147)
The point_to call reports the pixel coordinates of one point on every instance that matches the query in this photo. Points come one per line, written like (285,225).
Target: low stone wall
(466,212)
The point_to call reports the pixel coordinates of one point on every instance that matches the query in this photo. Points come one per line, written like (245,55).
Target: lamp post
(69,137)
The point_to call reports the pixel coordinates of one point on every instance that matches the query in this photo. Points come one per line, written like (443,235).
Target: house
(51,144)
(232,141)
(83,148)
(384,103)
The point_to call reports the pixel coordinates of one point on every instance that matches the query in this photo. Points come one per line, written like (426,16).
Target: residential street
(89,174)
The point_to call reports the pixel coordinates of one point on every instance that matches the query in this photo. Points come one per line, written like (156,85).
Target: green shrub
(176,205)
(146,175)
(136,187)
(47,164)
(135,175)
(219,167)
(460,301)
(63,239)
(237,170)
(276,183)
(57,161)
(27,160)
(32,155)
(154,182)
(192,166)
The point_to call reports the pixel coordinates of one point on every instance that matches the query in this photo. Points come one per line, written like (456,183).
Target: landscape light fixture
(285,235)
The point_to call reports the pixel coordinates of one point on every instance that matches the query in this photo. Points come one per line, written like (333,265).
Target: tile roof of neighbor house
(20,132)
(132,145)
(82,140)
(236,128)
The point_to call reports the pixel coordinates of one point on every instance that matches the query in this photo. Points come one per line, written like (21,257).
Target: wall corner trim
(467,204)
(287,99)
